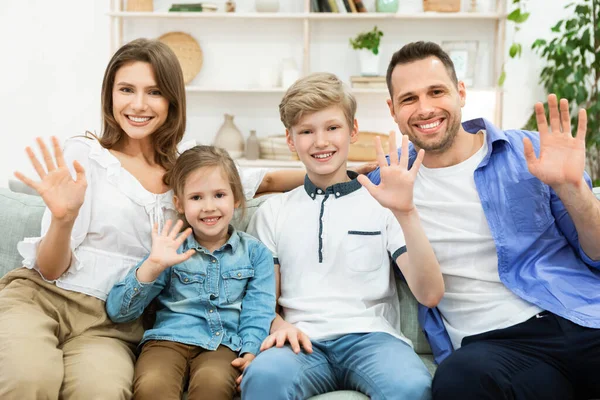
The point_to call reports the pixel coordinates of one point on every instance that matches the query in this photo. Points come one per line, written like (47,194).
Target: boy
(330,240)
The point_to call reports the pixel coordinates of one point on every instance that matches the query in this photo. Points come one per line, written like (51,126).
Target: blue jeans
(376,364)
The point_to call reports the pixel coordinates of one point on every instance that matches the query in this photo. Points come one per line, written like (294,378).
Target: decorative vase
(230,138)
(386,6)
(252,147)
(267,5)
(369,62)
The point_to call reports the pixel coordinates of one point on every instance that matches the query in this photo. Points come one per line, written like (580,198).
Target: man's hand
(562,157)
(288,333)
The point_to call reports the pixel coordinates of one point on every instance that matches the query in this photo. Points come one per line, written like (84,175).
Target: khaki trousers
(163,366)
(59,344)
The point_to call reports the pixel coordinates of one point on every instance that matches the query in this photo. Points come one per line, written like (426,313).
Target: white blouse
(112,232)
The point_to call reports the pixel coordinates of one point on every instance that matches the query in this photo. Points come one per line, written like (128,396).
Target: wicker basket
(364,148)
(188,52)
(441,5)
(140,5)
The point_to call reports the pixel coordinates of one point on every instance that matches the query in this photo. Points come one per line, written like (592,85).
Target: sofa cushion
(20,216)
(409,319)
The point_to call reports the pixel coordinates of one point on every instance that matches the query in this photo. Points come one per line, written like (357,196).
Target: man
(516,230)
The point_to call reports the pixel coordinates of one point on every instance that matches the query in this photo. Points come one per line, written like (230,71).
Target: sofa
(20,216)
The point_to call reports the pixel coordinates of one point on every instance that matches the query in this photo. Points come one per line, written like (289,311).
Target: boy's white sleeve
(262,224)
(396,244)
(251,179)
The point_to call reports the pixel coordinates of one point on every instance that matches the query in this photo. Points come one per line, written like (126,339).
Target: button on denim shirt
(224,298)
(539,255)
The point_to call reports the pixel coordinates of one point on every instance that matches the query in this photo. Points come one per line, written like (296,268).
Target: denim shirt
(539,255)
(221,298)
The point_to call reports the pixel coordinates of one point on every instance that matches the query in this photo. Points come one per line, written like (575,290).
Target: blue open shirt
(539,255)
(222,298)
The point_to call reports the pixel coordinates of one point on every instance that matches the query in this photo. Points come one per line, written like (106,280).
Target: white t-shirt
(333,249)
(452,215)
(112,232)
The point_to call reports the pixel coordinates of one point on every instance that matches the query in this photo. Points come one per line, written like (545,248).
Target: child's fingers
(267,343)
(184,235)
(166,228)
(306,343)
(185,256)
(417,164)
(238,362)
(281,339)
(294,343)
(176,228)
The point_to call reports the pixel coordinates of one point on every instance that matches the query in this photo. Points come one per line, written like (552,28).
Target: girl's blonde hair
(169,79)
(202,157)
(316,92)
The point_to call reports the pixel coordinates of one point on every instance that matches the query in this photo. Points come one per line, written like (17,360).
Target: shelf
(281,90)
(200,89)
(282,164)
(311,16)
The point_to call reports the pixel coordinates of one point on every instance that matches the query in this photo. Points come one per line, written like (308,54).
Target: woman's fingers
(26,180)
(36,164)
(46,155)
(58,154)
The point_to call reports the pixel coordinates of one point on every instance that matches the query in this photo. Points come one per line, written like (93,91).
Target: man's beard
(436,146)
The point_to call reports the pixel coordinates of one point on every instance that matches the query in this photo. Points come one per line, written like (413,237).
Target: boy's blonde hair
(201,157)
(316,92)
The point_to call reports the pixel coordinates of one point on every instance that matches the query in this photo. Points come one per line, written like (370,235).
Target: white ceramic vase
(230,138)
(369,62)
(267,5)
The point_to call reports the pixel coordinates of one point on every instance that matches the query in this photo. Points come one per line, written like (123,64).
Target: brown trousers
(163,368)
(56,343)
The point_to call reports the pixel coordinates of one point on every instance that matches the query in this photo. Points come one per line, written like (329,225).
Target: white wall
(52,67)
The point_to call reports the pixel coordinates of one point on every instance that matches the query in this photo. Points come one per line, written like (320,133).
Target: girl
(103,197)
(215,288)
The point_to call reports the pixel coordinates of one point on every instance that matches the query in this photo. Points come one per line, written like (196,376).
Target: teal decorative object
(386,6)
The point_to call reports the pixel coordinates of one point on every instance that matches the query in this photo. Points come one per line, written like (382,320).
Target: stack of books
(368,82)
(337,6)
(193,7)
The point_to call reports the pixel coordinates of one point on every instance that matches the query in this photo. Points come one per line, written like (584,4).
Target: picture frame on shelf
(464,56)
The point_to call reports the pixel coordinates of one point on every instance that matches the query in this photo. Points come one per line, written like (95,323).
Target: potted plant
(572,71)
(367,44)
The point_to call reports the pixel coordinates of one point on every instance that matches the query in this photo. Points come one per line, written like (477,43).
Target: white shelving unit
(239,44)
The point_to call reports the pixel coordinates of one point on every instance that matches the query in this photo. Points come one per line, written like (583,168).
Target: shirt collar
(232,242)
(338,190)
(493,135)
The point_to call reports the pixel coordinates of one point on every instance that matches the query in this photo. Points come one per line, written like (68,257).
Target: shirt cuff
(588,260)
(250,347)
(134,288)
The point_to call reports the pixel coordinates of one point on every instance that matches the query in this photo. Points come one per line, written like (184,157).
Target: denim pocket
(186,284)
(364,250)
(235,282)
(529,205)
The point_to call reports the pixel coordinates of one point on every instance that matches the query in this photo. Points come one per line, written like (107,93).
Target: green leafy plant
(518,16)
(367,40)
(572,70)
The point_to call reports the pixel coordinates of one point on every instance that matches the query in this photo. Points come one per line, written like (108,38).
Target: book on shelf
(192,7)
(368,82)
(360,7)
(337,6)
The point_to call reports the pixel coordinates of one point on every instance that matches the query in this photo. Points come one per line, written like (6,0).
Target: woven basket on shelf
(188,52)
(364,147)
(441,5)
(275,148)
(140,5)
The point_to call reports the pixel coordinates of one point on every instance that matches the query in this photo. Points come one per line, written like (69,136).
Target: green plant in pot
(572,71)
(367,44)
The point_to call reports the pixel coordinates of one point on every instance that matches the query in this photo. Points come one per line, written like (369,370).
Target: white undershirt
(475,300)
